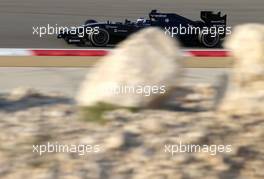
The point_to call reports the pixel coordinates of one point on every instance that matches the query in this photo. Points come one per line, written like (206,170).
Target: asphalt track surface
(18,17)
(68,80)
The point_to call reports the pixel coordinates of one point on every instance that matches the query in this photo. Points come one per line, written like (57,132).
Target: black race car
(207,32)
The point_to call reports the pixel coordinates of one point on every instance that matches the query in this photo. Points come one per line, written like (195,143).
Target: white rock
(22,92)
(152,125)
(247,93)
(114,141)
(147,58)
(247,45)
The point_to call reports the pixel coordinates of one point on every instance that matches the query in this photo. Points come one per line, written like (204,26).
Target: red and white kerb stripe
(102,52)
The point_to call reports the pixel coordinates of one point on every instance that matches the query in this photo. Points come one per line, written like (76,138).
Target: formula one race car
(207,32)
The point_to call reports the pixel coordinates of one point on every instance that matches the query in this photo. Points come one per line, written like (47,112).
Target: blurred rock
(152,126)
(114,141)
(246,96)
(23,92)
(131,144)
(147,58)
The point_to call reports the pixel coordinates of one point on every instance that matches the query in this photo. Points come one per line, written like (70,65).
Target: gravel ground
(128,145)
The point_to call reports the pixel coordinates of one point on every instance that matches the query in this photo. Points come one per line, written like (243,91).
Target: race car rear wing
(209,17)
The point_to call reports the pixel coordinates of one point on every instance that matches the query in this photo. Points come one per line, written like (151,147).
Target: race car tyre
(209,40)
(90,21)
(100,39)
(67,40)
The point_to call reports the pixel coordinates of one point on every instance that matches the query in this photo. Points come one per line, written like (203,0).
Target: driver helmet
(141,20)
